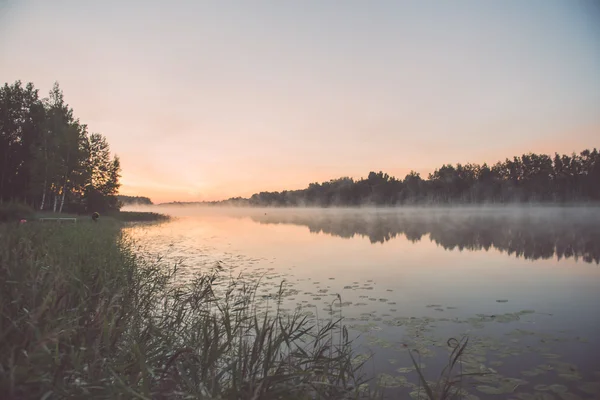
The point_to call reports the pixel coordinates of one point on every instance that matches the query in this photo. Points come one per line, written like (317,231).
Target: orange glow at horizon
(219,100)
(152,184)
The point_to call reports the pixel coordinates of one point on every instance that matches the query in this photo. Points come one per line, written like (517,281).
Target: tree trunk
(45,173)
(62,201)
(55,201)
(64,187)
(43,195)
(4,168)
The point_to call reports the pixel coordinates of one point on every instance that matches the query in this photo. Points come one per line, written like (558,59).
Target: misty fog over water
(523,283)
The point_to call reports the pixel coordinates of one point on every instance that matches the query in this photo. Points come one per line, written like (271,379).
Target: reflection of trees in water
(540,235)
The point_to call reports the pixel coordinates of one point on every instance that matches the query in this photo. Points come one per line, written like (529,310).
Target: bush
(15,212)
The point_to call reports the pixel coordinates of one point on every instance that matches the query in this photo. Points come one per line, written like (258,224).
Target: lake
(523,284)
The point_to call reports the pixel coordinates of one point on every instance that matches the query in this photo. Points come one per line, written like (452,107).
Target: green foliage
(48,158)
(15,212)
(82,316)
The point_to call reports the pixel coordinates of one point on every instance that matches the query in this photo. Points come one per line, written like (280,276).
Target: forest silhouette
(530,177)
(539,178)
(544,234)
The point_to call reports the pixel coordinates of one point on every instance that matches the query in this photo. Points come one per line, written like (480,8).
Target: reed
(82,315)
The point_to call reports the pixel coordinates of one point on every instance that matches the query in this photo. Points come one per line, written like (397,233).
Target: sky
(205,100)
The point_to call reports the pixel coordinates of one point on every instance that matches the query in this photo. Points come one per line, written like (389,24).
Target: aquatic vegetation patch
(515,337)
(360,359)
(389,381)
(592,388)
(363,327)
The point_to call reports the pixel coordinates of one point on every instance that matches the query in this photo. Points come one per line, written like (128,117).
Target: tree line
(527,178)
(134,200)
(48,159)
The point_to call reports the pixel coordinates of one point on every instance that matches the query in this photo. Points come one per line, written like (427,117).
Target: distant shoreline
(383,206)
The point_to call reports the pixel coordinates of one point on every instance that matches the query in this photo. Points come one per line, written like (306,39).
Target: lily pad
(387,380)
(507,318)
(590,388)
(569,396)
(556,388)
(418,395)
(363,328)
(523,312)
(533,372)
(360,359)
(545,367)
(489,389)
(570,377)
(509,385)
(544,396)
(405,370)
(525,396)
(535,396)
(550,355)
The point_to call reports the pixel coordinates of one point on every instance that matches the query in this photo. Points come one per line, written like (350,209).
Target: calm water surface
(523,284)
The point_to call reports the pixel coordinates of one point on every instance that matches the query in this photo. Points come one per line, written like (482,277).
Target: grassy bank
(14,212)
(82,316)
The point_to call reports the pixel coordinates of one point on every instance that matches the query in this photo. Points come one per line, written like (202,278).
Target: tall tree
(47,157)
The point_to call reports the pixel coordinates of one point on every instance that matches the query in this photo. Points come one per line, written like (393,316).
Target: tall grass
(12,211)
(83,316)
(449,383)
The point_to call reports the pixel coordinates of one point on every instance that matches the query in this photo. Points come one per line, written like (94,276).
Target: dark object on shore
(95,217)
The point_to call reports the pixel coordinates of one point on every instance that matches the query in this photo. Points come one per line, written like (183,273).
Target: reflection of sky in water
(448,293)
